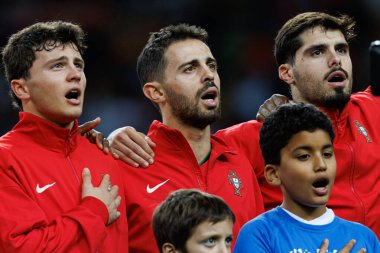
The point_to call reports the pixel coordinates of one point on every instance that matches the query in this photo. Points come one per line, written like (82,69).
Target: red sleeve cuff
(96,206)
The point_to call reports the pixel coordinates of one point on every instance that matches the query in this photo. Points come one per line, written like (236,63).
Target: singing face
(307,172)
(56,86)
(322,70)
(192,84)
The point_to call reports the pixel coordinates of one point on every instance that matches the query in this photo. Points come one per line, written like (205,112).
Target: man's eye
(316,52)
(213,66)
(79,65)
(57,65)
(189,69)
(328,154)
(342,50)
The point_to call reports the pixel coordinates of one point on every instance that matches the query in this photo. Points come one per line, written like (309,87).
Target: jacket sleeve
(246,137)
(24,226)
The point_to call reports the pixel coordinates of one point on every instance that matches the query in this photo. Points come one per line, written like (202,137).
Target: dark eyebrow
(323,45)
(302,148)
(315,47)
(327,146)
(79,60)
(192,62)
(76,59)
(309,148)
(210,59)
(195,61)
(57,59)
(342,45)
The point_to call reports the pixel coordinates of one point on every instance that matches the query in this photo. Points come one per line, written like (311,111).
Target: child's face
(307,173)
(211,238)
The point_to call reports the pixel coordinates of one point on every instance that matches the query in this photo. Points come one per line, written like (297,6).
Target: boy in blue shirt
(296,141)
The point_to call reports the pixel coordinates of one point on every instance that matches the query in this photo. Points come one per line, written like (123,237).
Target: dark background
(241,39)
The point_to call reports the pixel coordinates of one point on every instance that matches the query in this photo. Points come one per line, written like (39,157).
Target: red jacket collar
(172,139)
(47,134)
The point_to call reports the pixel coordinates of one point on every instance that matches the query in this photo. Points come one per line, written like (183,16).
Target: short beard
(338,101)
(187,110)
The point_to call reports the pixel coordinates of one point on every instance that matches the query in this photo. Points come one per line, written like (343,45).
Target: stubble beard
(337,98)
(188,110)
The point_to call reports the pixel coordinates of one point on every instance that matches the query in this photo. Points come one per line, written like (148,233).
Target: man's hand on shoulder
(87,130)
(126,144)
(131,146)
(269,105)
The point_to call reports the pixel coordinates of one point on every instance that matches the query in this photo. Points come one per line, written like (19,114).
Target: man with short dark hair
(179,74)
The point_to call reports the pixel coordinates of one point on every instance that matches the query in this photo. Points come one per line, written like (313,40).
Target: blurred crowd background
(241,38)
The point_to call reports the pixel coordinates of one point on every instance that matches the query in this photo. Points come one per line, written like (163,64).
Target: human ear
(20,89)
(168,248)
(285,72)
(154,92)
(272,175)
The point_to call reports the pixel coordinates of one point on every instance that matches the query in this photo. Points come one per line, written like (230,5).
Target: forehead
(186,51)
(206,228)
(315,139)
(58,50)
(320,36)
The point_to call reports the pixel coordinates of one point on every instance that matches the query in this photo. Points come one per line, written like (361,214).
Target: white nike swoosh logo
(150,190)
(42,189)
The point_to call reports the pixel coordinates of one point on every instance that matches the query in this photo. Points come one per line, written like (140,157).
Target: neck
(198,139)
(336,104)
(305,212)
(68,124)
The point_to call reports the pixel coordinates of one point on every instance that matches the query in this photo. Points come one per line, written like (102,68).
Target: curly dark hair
(19,53)
(176,218)
(286,121)
(288,40)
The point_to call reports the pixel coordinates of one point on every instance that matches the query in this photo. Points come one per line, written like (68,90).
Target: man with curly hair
(55,186)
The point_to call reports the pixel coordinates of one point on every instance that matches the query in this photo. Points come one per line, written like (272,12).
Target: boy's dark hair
(19,53)
(286,121)
(288,40)
(151,62)
(176,218)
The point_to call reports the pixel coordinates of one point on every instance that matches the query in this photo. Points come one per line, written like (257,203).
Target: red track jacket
(40,192)
(228,174)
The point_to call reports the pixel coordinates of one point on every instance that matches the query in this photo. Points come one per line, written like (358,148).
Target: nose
(225,249)
(320,163)
(74,74)
(208,74)
(335,60)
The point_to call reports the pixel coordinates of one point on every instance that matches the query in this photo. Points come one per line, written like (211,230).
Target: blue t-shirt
(276,231)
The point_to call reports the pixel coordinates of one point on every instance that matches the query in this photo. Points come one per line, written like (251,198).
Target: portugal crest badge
(362,131)
(236,182)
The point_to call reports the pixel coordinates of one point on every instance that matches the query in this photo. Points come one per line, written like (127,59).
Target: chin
(321,202)
(316,204)
(338,100)
(75,113)
(68,118)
